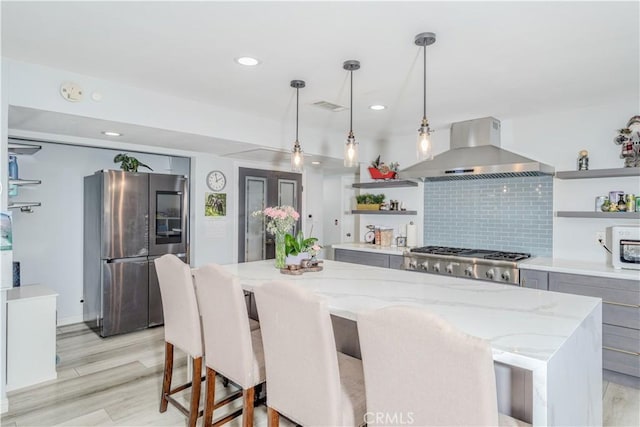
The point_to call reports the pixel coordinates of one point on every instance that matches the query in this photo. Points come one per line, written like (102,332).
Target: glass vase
(280,250)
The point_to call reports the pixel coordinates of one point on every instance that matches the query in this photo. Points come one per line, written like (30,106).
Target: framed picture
(215,204)
(401,241)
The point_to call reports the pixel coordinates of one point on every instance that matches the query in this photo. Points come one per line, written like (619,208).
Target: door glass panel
(256,200)
(168,217)
(286,192)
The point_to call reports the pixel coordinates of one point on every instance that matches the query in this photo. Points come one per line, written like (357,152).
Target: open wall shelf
(608,215)
(598,173)
(386,184)
(365,212)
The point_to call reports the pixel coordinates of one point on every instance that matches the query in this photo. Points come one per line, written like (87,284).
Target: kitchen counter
(578,267)
(558,337)
(368,247)
(29,292)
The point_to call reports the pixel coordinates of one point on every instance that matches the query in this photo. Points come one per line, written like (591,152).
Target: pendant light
(297,158)
(351,147)
(424,146)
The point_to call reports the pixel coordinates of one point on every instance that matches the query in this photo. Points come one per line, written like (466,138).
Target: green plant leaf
(291,246)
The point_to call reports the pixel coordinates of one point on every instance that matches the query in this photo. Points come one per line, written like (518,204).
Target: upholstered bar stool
(181,330)
(308,381)
(232,348)
(421,370)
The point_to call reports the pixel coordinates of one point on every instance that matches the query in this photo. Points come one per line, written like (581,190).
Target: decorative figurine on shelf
(583,160)
(629,138)
(378,170)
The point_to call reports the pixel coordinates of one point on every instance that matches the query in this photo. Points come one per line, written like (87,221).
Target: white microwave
(623,241)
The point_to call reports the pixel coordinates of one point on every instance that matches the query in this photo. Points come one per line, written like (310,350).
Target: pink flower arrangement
(279,218)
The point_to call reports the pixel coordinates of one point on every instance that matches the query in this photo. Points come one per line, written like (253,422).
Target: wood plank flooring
(116,382)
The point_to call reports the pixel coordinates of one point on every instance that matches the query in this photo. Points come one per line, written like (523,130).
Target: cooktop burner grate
(439,250)
(472,253)
(507,256)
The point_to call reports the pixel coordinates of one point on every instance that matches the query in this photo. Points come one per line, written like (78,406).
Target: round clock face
(216,180)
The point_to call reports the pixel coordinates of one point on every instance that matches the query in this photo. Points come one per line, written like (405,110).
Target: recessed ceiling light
(111,133)
(377,107)
(315,162)
(248,61)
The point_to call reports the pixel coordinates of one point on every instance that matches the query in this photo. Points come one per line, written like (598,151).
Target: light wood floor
(116,382)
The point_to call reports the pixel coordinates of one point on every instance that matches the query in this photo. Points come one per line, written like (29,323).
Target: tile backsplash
(507,214)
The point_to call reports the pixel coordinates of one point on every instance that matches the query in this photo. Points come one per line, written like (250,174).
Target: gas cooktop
(483,264)
(472,253)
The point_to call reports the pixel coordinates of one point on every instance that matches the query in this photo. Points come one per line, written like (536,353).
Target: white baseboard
(70,320)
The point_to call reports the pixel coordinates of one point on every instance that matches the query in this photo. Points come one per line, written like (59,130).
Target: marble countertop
(588,268)
(526,326)
(368,247)
(29,291)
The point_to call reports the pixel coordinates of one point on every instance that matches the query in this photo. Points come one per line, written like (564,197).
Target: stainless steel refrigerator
(130,219)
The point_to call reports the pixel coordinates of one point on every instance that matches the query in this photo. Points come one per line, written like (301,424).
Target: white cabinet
(31,336)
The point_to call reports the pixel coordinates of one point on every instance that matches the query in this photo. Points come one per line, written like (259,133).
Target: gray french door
(259,189)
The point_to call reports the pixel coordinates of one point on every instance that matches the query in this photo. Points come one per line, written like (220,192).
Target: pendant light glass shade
(351,147)
(424,149)
(351,152)
(297,157)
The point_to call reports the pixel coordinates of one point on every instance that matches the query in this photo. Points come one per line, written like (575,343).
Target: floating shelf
(24,206)
(608,215)
(599,173)
(24,182)
(398,183)
(364,212)
(22,149)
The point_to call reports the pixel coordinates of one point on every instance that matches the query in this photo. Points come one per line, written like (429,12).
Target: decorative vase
(280,250)
(296,259)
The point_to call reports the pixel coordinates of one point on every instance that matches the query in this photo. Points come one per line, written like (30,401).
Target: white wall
(213,238)
(555,138)
(48,243)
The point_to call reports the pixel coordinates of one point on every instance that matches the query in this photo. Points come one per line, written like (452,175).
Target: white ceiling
(501,59)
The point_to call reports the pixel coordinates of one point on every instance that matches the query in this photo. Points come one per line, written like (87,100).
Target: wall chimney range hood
(475,153)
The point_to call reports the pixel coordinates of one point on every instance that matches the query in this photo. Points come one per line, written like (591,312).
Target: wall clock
(216,181)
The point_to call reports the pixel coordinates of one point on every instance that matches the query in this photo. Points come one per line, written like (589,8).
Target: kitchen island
(557,337)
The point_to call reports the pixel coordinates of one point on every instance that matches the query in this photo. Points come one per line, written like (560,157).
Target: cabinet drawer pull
(632,353)
(621,304)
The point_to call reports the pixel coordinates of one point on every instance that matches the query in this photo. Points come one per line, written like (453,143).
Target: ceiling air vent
(326,105)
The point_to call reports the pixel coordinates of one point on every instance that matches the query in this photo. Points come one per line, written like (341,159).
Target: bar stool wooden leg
(273,417)
(168,373)
(195,392)
(210,401)
(247,410)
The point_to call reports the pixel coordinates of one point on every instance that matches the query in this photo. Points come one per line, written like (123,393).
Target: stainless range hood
(475,153)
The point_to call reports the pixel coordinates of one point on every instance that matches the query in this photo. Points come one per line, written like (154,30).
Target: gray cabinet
(534,279)
(396,262)
(620,316)
(369,258)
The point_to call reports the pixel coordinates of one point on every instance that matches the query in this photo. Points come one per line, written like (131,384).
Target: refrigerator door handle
(119,260)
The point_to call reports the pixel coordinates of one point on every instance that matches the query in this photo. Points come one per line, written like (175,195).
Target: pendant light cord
(351,105)
(297,107)
(424,91)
